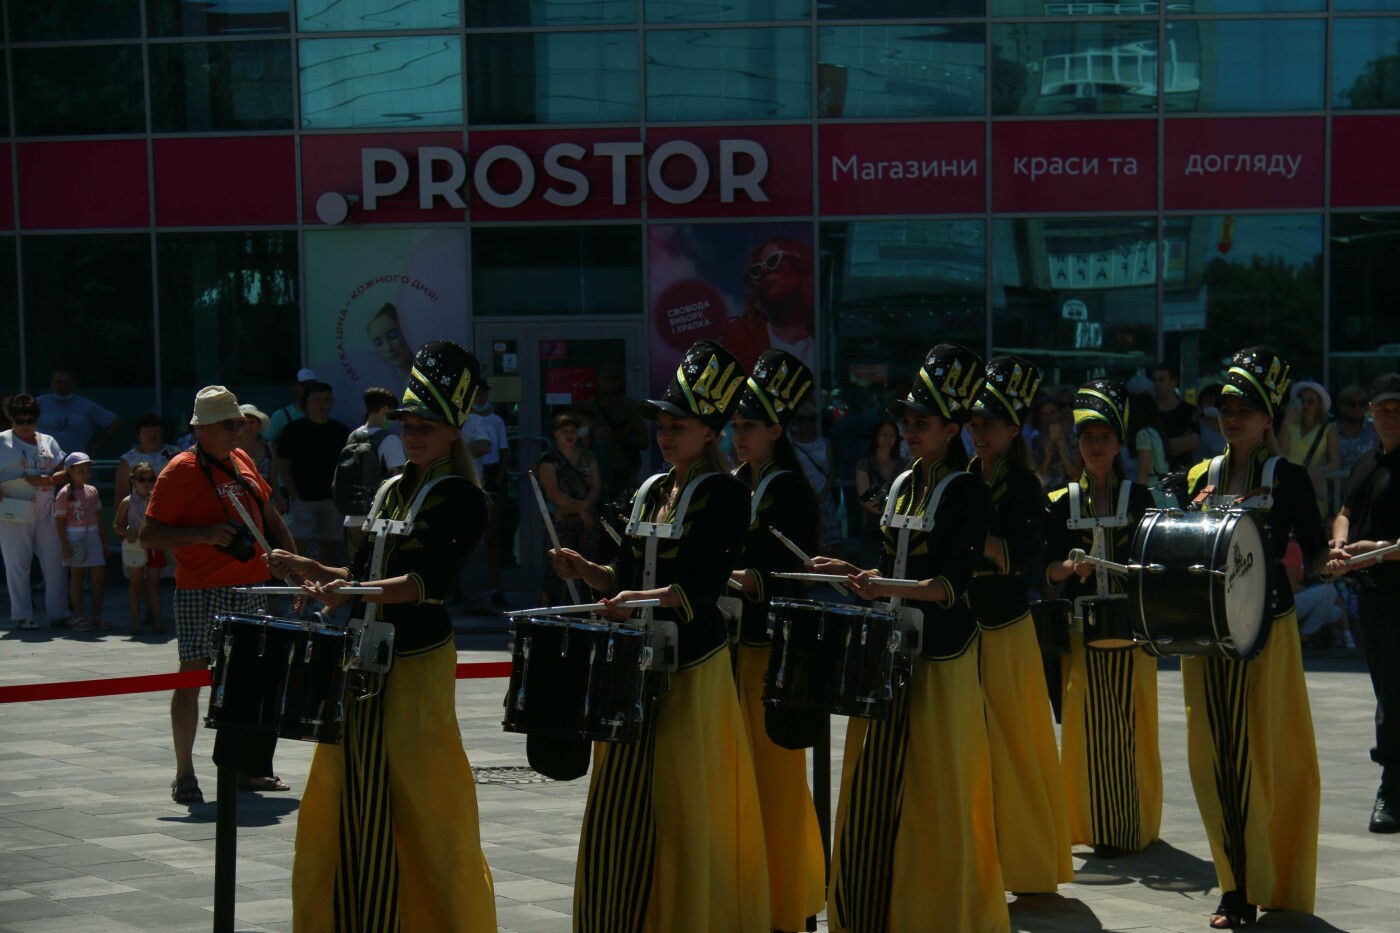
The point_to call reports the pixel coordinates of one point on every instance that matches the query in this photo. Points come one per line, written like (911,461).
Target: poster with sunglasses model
(373,297)
(747,285)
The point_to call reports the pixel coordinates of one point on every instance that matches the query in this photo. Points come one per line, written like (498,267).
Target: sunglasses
(229,424)
(23,421)
(770,264)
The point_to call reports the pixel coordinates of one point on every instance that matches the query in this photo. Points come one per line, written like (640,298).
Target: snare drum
(1213,595)
(834,658)
(1051,618)
(584,679)
(278,675)
(1108,626)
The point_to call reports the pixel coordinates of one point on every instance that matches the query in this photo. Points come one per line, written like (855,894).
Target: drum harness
(911,620)
(1214,497)
(1078,521)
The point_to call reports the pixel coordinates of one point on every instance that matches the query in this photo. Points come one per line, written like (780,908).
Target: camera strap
(205,460)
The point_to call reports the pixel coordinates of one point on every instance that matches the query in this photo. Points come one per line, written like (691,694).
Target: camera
(243,547)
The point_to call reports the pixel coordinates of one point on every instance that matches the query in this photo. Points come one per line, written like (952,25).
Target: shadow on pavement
(1047,912)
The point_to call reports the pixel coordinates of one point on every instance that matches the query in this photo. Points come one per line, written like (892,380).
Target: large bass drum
(1210,591)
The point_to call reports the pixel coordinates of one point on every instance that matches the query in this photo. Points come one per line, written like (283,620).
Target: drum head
(1246,566)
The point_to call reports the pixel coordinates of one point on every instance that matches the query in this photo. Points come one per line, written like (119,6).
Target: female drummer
(1108,738)
(914,847)
(387,836)
(1249,730)
(782,500)
(672,838)
(1032,822)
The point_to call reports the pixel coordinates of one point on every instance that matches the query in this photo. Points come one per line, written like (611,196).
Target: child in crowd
(78,515)
(143,565)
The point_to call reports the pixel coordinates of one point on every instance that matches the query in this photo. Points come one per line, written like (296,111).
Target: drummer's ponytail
(463,464)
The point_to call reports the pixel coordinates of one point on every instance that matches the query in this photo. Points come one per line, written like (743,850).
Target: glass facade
(1093,185)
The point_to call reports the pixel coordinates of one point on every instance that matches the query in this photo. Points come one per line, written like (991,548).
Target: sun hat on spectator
(306,375)
(1322,393)
(214,404)
(75,458)
(256,412)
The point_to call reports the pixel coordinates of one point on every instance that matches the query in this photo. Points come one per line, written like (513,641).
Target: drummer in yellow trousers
(1032,819)
(1249,729)
(915,843)
(782,499)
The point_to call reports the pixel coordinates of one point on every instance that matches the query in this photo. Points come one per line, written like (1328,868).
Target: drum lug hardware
(1164,640)
(564,644)
(223,679)
(524,672)
(306,658)
(1202,568)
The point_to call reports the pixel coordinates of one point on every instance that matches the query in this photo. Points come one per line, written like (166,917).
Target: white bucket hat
(255,412)
(1298,388)
(214,404)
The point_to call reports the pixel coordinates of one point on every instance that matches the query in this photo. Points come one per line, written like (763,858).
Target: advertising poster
(373,297)
(748,286)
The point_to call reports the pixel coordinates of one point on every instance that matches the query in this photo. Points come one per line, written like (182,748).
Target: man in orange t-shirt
(189,513)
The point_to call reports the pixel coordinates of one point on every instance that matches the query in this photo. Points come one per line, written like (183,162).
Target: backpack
(358,472)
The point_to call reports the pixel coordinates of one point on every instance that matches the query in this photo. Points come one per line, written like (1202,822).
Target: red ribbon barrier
(151,683)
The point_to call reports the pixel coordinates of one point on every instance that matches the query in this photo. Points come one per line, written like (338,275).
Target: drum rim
(1232,519)
(837,609)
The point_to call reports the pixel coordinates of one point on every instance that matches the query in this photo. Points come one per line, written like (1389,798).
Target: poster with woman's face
(373,298)
(749,286)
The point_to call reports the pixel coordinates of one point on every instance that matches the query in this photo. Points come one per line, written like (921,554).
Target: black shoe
(498,598)
(1383,818)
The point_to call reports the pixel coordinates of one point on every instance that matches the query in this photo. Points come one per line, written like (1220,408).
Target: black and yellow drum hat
(1258,377)
(778,385)
(706,386)
(946,385)
(1103,400)
(442,384)
(1008,389)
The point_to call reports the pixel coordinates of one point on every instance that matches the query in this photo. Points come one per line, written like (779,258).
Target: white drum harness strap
(654,532)
(1262,500)
(1078,521)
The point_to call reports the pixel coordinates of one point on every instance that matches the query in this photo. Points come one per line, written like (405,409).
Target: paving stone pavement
(90,840)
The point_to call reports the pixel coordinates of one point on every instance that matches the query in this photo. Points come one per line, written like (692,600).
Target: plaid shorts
(195,611)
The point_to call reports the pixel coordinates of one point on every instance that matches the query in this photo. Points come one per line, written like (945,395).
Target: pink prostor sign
(787,182)
(1363,161)
(1101,165)
(206,182)
(332,163)
(92,183)
(891,168)
(504,175)
(1237,164)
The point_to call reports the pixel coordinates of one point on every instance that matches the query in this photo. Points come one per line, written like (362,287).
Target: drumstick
(1079,556)
(549,527)
(298,591)
(584,607)
(1374,554)
(612,532)
(250,524)
(836,577)
(802,556)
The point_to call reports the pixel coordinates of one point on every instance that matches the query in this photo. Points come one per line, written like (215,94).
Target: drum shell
(279,676)
(581,679)
(1051,618)
(1108,625)
(833,658)
(1180,613)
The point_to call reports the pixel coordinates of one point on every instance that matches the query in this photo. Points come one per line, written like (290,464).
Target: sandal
(263,784)
(186,790)
(1233,911)
(80,624)
(27,625)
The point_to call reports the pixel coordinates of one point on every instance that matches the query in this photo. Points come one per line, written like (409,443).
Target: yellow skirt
(796,863)
(914,847)
(1249,739)
(408,824)
(1108,746)
(672,838)
(1032,819)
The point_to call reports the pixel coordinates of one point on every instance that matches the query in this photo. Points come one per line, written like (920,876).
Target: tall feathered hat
(1008,390)
(947,383)
(1103,400)
(442,384)
(780,382)
(1258,376)
(706,386)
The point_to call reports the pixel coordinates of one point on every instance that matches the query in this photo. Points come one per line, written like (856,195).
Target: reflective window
(890,290)
(408,81)
(553,77)
(65,20)
(9,317)
(1236,280)
(1076,296)
(1040,68)
(896,9)
(87,304)
(1233,65)
(203,86)
(78,91)
(378,15)
(550,12)
(729,74)
(679,12)
(1366,63)
(228,312)
(556,270)
(1246,6)
(1365,327)
(1073,8)
(1343,6)
(217,17)
(901,71)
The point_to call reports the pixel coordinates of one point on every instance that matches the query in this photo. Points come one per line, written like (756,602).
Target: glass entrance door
(536,370)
